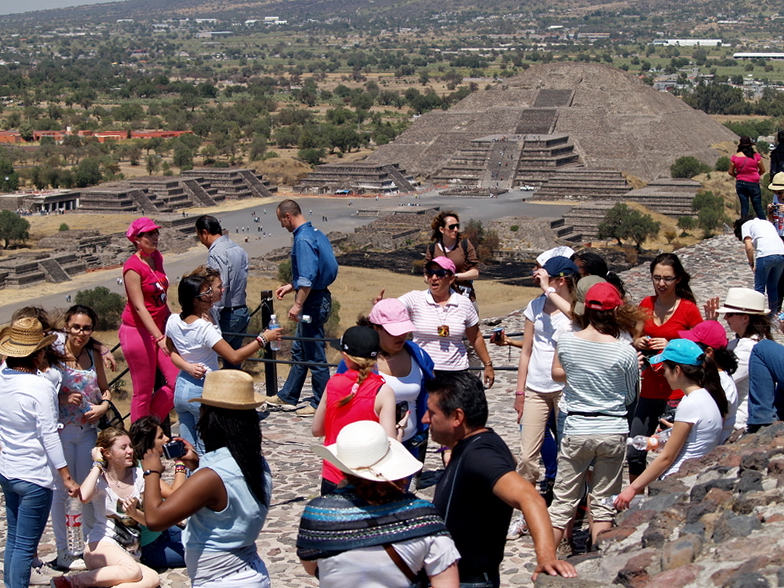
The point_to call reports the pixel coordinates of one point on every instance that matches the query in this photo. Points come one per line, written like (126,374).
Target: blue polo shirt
(313,263)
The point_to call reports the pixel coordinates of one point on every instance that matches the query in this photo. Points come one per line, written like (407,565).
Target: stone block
(668,486)
(639,569)
(676,578)
(699,491)
(754,460)
(613,535)
(750,480)
(545,581)
(747,580)
(776,466)
(697,529)
(731,525)
(635,518)
(680,552)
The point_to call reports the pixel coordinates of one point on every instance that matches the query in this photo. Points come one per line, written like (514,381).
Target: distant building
(689,42)
(758,55)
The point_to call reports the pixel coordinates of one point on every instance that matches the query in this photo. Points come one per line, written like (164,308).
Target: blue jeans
(166,551)
(188,412)
(766,378)
(767,272)
(234,321)
(27,509)
(318,305)
(749,191)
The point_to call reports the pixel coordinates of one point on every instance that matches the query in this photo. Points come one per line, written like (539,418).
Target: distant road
(341,217)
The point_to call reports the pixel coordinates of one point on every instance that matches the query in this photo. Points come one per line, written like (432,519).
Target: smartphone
(497,335)
(401,408)
(174,449)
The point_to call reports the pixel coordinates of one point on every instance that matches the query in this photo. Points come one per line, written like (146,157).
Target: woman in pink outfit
(144,322)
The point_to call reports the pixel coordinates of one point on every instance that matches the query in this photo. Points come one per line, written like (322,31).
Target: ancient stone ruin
(357,178)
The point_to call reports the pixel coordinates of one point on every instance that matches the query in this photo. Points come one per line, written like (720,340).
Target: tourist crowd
(602,384)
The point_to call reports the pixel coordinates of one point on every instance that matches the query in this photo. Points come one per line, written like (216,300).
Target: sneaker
(276,401)
(61,582)
(517,528)
(563,550)
(70,563)
(306,411)
(42,575)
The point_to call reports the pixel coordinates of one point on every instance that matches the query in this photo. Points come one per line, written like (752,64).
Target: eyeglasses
(665,279)
(152,233)
(438,273)
(207,292)
(76,329)
(453,227)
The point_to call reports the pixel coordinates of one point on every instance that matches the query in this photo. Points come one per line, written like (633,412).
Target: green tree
(688,167)
(13,227)
(9,179)
(107,305)
(153,163)
(710,210)
(26,131)
(87,172)
(313,156)
(722,164)
(182,157)
(622,222)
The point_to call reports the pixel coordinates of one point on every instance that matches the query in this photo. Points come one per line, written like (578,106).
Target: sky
(15,6)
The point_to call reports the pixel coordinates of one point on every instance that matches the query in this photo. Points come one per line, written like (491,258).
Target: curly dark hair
(438,222)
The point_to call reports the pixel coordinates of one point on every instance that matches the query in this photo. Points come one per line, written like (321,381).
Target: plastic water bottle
(273,324)
(653,443)
(610,500)
(304,318)
(74,540)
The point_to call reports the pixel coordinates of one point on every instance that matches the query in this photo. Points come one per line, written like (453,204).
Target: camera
(497,336)
(401,408)
(174,449)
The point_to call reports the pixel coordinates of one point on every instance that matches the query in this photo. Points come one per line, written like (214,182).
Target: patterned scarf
(342,521)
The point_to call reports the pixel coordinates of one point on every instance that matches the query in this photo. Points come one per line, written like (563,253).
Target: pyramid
(556,118)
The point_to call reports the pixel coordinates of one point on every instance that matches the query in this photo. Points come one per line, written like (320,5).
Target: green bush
(688,167)
(686,223)
(622,222)
(722,164)
(284,272)
(107,305)
(63,227)
(514,228)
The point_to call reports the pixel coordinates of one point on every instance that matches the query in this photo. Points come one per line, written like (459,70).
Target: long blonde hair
(364,365)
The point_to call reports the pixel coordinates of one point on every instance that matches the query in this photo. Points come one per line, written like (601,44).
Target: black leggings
(644,422)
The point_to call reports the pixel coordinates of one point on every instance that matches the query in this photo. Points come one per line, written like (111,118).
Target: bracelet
(105,400)
(100,464)
(148,472)
(161,338)
(520,393)
(262,340)
(180,469)
(107,352)
(488,363)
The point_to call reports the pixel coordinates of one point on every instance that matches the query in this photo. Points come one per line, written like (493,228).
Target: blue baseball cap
(559,266)
(680,351)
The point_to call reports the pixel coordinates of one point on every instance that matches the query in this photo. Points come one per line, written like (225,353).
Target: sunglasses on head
(440,273)
(454,226)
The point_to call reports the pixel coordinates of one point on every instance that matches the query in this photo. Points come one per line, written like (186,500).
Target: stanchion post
(270,367)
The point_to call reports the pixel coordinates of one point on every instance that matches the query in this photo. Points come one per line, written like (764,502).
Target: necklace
(117,483)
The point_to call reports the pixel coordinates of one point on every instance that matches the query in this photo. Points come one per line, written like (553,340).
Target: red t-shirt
(685,317)
(361,408)
(154,287)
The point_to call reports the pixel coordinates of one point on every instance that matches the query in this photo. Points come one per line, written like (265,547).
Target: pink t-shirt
(746,168)
(154,287)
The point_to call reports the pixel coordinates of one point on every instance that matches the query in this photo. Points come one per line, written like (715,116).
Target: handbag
(127,536)
(111,418)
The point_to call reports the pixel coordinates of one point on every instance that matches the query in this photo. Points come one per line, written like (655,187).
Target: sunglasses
(207,292)
(76,329)
(453,227)
(438,273)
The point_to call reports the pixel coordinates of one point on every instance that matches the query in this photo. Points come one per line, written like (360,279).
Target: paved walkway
(715,265)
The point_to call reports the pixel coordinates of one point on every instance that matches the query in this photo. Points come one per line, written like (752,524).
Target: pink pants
(143,356)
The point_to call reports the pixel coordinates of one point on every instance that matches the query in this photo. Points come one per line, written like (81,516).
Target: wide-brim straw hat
(363,449)
(229,389)
(744,301)
(24,337)
(777,184)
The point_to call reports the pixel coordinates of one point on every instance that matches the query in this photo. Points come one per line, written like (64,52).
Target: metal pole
(270,368)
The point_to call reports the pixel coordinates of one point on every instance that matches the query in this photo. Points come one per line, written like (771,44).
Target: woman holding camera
(195,342)
(115,486)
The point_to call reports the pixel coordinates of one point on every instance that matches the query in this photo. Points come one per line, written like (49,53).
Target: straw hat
(24,337)
(744,301)
(364,450)
(229,389)
(777,185)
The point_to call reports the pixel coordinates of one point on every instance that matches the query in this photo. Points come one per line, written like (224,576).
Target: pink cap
(140,225)
(392,314)
(710,333)
(443,263)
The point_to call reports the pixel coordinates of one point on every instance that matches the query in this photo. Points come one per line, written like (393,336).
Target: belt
(230,308)
(595,414)
(483,578)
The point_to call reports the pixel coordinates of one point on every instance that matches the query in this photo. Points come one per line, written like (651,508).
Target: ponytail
(364,366)
(706,376)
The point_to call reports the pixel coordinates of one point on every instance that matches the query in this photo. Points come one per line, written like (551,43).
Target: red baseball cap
(603,296)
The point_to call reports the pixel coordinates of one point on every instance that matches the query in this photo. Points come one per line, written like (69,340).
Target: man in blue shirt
(313,269)
(232,262)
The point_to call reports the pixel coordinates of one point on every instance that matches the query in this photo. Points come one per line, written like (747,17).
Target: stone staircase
(579,183)
(143,203)
(668,196)
(53,271)
(584,220)
(402,183)
(256,186)
(198,194)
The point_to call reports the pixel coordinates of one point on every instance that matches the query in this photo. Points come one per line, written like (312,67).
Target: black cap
(359,342)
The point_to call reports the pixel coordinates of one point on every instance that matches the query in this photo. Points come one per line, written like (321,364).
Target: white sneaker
(42,575)
(517,528)
(70,563)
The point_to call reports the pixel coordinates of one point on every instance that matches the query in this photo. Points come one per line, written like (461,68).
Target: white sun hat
(364,450)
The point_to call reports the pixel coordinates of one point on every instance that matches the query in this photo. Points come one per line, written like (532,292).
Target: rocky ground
(718,523)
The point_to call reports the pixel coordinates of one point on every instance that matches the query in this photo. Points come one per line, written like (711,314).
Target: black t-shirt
(476,518)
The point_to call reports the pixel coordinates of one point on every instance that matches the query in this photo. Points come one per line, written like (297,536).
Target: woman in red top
(358,394)
(144,322)
(670,310)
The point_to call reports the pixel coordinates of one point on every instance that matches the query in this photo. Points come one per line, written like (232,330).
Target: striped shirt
(448,353)
(600,377)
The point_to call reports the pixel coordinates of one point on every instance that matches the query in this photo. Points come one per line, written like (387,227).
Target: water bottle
(610,500)
(273,324)
(654,443)
(74,540)
(304,318)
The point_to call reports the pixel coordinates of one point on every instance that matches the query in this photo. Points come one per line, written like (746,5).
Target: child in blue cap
(698,420)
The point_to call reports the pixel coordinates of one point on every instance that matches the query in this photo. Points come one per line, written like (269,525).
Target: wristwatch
(549,291)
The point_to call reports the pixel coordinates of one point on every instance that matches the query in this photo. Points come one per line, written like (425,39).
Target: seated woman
(162,549)
(227,498)
(115,486)
(408,535)
(699,418)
